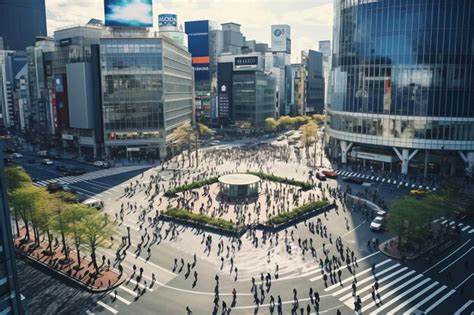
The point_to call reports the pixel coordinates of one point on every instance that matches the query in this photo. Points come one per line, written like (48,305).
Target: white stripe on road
(123,287)
(357,274)
(398,297)
(107,307)
(387,286)
(408,301)
(429,297)
(442,270)
(438,302)
(370,305)
(357,260)
(464,281)
(459,311)
(439,262)
(121,299)
(465,228)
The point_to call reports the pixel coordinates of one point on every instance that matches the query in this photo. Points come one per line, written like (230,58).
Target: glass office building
(402,82)
(146,94)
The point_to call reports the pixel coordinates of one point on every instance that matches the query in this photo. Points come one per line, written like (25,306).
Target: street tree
(286,121)
(16,177)
(72,215)
(318,119)
(23,201)
(189,135)
(96,230)
(308,135)
(45,216)
(59,224)
(271,123)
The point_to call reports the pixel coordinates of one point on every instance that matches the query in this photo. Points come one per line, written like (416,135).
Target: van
(94,203)
(42,153)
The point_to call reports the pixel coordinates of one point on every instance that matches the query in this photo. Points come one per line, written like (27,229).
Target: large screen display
(128,13)
(198,46)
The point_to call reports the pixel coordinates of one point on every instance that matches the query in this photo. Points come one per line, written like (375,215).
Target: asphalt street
(444,286)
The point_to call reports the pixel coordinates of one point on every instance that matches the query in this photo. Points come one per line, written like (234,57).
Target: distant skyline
(310,20)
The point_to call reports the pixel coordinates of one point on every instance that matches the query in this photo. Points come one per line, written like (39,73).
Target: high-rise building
(314,102)
(233,38)
(205,42)
(280,58)
(325,49)
(246,92)
(403,94)
(146,93)
(20,22)
(168,27)
(9,287)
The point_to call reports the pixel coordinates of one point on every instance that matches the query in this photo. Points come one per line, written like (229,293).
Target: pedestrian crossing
(453,224)
(391,288)
(382,180)
(64,180)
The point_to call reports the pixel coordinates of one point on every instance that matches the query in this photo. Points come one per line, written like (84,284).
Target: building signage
(58,84)
(224,96)
(65,42)
(374,156)
(128,13)
(198,46)
(167,20)
(280,38)
(246,61)
(67,137)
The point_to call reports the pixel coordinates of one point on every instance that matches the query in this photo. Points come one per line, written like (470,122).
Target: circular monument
(239,185)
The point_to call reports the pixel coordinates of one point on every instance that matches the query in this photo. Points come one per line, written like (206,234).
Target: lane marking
(123,287)
(465,228)
(429,297)
(438,302)
(442,270)
(408,301)
(439,262)
(464,281)
(459,311)
(121,299)
(107,307)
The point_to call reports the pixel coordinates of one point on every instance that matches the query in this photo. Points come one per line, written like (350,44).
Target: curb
(449,243)
(66,276)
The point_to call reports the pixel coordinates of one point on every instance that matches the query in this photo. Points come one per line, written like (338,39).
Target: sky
(310,20)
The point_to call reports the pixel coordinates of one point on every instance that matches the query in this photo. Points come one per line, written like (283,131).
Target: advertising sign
(224,83)
(58,84)
(280,36)
(167,20)
(128,13)
(65,42)
(198,46)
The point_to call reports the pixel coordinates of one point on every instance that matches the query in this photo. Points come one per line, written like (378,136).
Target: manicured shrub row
(201,218)
(284,180)
(287,216)
(193,185)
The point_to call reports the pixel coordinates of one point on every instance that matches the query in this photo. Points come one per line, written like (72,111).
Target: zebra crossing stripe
(121,299)
(408,301)
(107,307)
(429,297)
(466,305)
(373,303)
(365,298)
(357,275)
(439,301)
(128,290)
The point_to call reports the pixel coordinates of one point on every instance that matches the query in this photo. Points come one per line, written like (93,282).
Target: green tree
(24,201)
(97,229)
(187,134)
(59,224)
(72,216)
(45,216)
(286,121)
(308,135)
(16,177)
(271,123)
(318,119)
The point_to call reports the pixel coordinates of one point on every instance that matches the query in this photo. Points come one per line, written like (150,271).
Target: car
(419,192)
(377,223)
(320,176)
(62,168)
(99,163)
(42,153)
(46,162)
(31,161)
(16,155)
(329,173)
(94,203)
(54,187)
(353,180)
(281,138)
(214,142)
(75,172)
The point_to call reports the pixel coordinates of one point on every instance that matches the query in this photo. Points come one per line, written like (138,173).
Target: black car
(31,161)
(75,172)
(353,180)
(61,168)
(54,187)
(320,176)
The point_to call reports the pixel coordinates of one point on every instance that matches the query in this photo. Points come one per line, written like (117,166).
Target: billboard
(224,84)
(198,46)
(58,84)
(167,20)
(281,35)
(128,13)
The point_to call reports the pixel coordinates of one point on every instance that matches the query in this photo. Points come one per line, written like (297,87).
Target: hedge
(201,218)
(287,216)
(284,180)
(193,185)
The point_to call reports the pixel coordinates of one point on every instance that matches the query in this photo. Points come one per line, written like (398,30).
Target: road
(409,288)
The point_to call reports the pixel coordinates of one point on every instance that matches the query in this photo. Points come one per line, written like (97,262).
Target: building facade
(20,22)
(146,93)
(314,85)
(403,84)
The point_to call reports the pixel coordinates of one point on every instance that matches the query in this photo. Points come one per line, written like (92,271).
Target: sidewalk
(107,280)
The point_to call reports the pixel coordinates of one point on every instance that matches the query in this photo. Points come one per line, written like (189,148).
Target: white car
(98,163)
(376,224)
(16,156)
(47,162)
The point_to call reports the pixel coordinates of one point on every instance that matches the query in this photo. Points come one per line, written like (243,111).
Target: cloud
(310,20)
